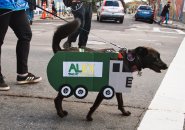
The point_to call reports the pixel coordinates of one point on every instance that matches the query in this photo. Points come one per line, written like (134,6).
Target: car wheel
(66,90)
(121,20)
(151,21)
(80,92)
(98,19)
(101,19)
(108,92)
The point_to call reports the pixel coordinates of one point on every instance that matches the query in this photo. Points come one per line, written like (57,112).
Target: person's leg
(87,26)
(78,13)
(167,18)
(20,25)
(4,22)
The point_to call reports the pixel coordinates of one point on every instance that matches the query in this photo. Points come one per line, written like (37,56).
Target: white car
(110,10)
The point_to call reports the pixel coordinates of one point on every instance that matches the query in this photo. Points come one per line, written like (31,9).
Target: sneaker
(3,85)
(30,78)
(67,45)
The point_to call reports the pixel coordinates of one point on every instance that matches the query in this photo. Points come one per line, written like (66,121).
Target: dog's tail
(62,32)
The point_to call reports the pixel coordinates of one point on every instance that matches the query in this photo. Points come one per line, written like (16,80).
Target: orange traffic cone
(44,12)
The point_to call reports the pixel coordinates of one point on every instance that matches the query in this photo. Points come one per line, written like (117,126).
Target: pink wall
(176,10)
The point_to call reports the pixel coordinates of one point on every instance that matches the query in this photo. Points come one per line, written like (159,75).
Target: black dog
(134,60)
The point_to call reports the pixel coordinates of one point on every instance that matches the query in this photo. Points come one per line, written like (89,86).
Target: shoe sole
(5,88)
(29,82)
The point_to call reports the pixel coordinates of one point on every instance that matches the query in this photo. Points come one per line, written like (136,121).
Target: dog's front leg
(58,105)
(97,102)
(120,104)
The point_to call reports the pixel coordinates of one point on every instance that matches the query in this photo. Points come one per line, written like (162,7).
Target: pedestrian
(30,10)
(54,10)
(83,11)
(44,1)
(165,13)
(13,15)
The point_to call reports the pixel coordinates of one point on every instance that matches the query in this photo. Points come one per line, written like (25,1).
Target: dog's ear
(142,51)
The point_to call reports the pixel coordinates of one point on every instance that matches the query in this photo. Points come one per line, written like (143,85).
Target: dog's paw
(126,113)
(62,114)
(88,118)
(65,113)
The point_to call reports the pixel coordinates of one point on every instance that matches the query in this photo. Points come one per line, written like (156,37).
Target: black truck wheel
(108,92)
(80,92)
(66,91)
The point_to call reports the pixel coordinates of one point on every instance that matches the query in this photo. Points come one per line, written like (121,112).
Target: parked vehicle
(110,10)
(144,12)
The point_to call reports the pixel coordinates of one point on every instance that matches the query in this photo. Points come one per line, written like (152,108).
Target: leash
(80,28)
(108,42)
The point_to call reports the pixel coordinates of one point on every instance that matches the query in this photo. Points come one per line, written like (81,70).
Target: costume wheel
(66,91)
(108,92)
(80,92)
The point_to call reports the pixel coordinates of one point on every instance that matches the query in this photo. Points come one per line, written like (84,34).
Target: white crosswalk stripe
(159,30)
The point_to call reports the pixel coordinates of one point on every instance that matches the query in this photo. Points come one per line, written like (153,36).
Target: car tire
(98,19)
(121,20)
(80,92)
(66,90)
(101,19)
(151,21)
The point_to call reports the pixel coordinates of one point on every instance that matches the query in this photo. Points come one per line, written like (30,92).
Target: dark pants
(84,13)
(19,23)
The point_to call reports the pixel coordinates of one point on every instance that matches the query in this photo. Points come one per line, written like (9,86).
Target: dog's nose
(164,67)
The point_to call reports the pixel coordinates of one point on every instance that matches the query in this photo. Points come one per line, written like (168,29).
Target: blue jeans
(167,17)
(83,11)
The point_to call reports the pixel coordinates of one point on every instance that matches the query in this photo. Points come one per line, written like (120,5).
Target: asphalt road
(31,106)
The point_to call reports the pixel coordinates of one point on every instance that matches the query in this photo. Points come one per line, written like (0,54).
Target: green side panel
(55,69)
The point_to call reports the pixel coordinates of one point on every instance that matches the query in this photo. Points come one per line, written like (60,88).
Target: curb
(167,108)
(38,18)
(173,26)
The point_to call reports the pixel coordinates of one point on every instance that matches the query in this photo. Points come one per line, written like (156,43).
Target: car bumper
(106,15)
(146,17)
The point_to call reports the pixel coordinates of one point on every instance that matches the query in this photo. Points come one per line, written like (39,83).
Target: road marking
(147,40)
(180,31)
(168,36)
(51,23)
(95,43)
(166,111)
(156,29)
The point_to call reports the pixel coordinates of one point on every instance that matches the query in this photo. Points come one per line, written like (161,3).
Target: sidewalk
(38,17)
(166,111)
(172,24)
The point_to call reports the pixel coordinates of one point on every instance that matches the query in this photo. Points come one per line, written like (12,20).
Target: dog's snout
(164,67)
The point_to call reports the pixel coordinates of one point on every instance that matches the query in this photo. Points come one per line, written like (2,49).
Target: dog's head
(144,57)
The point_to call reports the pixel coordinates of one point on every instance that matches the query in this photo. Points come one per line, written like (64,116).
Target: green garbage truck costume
(79,72)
